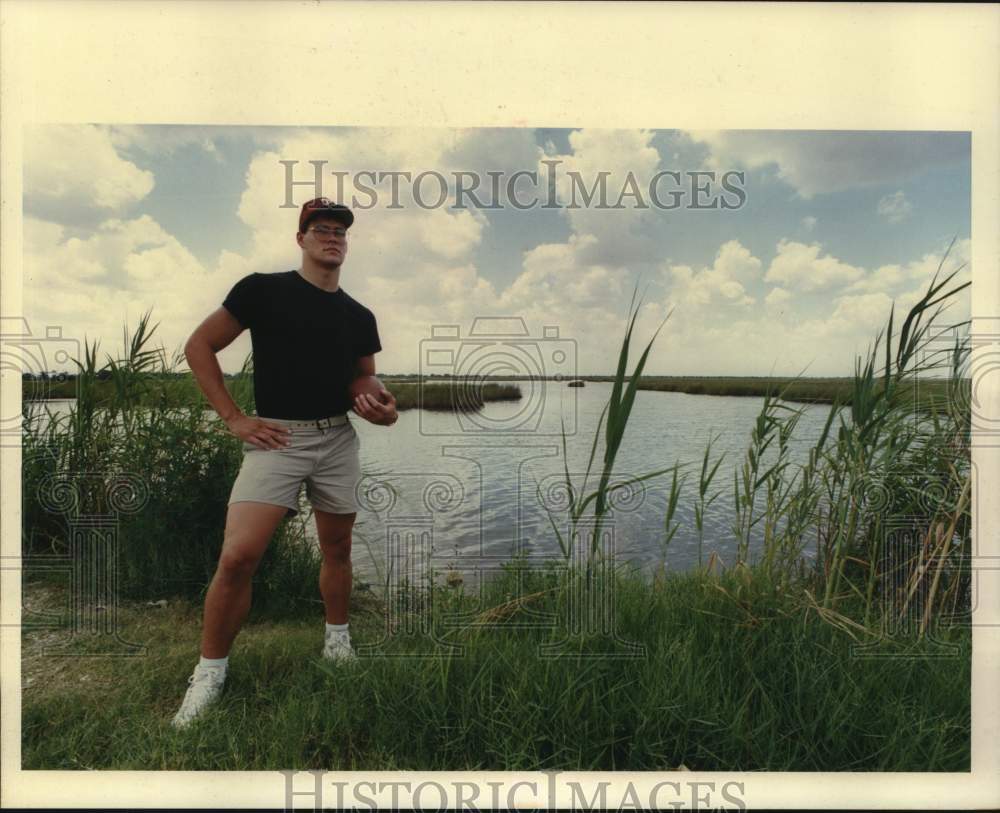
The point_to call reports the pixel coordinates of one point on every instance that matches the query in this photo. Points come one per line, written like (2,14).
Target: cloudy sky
(836,226)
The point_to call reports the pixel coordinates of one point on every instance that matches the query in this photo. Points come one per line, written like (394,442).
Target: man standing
(311,341)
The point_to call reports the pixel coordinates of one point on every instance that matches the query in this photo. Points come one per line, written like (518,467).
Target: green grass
(736,677)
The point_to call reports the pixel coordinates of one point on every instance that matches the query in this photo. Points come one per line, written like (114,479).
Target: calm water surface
(491,484)
(467,492)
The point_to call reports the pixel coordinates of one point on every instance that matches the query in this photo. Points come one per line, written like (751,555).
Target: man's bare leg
(249,528)
(334,531)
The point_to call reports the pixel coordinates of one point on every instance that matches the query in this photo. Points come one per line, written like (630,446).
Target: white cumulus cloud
(894,276)
(859,311)
(609,166)
(722,282)
(895,207)
(58,184)
(777,298)
(804,268)
(92,286)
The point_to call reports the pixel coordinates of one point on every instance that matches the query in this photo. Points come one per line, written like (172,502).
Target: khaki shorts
(326,459)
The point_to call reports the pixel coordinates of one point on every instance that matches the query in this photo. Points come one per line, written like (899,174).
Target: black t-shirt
(306,343)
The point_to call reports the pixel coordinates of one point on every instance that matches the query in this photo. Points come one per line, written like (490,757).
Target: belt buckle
(323,423)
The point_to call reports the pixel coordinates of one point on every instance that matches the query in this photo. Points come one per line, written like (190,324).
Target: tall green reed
(671,527)
(180,460)
(876,467)
(612,423)
(705,501)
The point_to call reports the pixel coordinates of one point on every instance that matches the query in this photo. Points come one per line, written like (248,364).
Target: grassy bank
(737,676)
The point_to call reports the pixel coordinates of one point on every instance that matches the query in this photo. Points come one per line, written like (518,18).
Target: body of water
(492,484)
(469,491)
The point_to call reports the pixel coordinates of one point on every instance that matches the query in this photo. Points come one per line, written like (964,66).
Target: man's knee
(249,528)
(237,564)
(337,549)
(334,531)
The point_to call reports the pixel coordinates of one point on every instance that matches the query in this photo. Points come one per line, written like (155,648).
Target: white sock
(342,628)
(214,663)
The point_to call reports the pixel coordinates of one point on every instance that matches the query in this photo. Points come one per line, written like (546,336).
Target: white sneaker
(205,687)
(338,648)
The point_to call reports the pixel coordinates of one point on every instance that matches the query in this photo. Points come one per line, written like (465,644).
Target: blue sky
(836,227)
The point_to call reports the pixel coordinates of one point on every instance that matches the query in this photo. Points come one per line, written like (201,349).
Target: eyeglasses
(326,233)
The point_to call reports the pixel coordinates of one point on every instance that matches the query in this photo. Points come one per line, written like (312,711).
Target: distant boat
(576,383)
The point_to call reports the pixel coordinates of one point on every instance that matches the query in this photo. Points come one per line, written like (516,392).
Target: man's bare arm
(218,331)
(366,366)
(369,408)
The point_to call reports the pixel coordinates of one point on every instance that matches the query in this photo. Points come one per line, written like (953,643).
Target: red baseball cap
(324,206)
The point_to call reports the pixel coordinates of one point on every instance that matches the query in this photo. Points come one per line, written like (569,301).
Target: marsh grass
(459,395)
(164,473)
(888,468)
(734,680)
(885,470)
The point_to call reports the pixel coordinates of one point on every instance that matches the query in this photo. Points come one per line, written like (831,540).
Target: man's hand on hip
(380,411)
(262,434)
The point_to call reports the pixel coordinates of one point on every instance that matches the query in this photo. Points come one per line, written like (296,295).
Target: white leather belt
(319,423)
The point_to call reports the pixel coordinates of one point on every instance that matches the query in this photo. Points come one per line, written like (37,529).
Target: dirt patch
(60,652)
